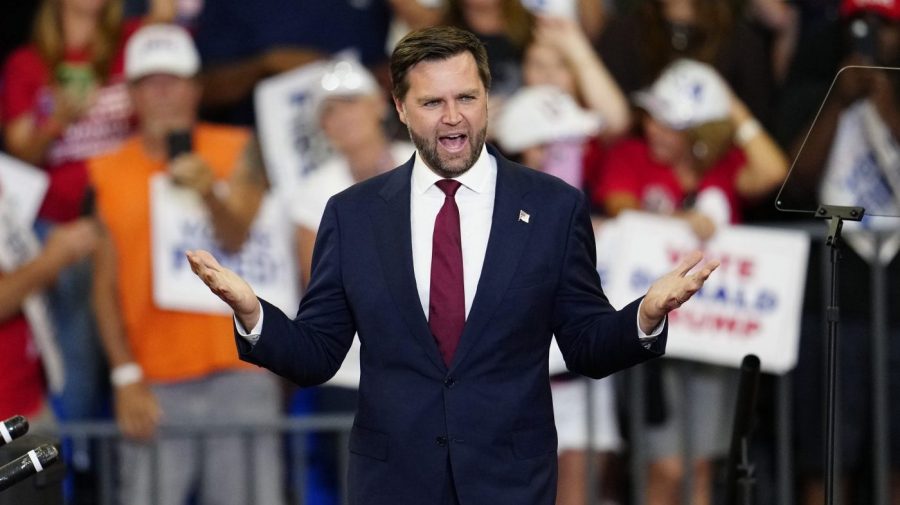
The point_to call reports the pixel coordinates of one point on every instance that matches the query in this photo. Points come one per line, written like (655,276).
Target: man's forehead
(441,76)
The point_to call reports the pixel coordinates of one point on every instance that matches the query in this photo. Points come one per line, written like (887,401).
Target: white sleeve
(251,336)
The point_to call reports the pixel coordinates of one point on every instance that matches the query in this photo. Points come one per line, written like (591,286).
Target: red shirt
(26,88)
(629,168)
(22,385)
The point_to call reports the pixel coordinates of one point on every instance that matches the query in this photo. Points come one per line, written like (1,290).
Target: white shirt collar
(477,178)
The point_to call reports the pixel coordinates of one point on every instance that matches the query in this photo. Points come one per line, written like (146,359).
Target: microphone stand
(836,216)
(739,479)
(746,482)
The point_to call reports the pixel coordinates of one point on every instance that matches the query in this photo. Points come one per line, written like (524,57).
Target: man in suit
(455,269)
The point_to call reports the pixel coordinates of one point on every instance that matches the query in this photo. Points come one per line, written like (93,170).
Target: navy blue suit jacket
(487,419)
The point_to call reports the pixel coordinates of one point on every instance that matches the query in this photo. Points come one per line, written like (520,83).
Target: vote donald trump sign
(751,304)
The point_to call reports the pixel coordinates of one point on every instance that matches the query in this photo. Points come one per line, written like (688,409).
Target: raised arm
(226,84)
(596,85)
(233,203)
(766,165)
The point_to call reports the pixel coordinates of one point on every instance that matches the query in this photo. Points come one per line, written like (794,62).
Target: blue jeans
(86,389)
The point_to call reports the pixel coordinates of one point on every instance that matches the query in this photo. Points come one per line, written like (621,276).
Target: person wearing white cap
(173,366)
(536,117)
(697,136)
(351,110)
(701,156)
(561,55)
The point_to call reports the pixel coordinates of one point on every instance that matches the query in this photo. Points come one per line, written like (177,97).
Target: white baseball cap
(161,49)
(344,77)
(347,77)
(688,93)
(537,115)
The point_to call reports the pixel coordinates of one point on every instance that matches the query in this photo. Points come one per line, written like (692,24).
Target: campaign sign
(751,304)
(290,138)
(181,222)
(23,186)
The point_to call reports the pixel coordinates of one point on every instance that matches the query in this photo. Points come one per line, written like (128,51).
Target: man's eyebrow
(466,92)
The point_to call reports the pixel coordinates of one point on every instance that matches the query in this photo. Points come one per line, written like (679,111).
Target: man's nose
(451,114)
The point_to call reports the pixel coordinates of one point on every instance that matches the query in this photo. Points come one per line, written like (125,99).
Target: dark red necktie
(447,301)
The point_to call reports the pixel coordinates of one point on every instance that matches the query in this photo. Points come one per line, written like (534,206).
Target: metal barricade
(106,437)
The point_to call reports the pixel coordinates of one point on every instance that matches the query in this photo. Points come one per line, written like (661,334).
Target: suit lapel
(391,222)
(506,244)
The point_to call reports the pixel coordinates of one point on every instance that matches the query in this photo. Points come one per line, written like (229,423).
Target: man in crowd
(171,366)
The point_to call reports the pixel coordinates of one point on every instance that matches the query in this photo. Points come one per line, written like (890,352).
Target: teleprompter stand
(836,215)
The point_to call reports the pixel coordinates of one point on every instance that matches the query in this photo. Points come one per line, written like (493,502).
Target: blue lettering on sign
(254,262)
(740,297)
(868,185)
(766,301)
(734,295)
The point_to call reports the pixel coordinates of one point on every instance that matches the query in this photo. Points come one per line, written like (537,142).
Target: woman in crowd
(63,101)
(701,156)
(559,54)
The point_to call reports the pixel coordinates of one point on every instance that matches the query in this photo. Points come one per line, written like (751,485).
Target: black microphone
(35,461)
(739,473)
(12,428)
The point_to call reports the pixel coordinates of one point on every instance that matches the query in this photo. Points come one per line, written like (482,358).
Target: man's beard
(428,149)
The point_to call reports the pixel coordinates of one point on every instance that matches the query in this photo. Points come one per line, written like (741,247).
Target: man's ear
(401,109)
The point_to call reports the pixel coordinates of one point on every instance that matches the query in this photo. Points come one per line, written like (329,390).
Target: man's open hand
(228,286)
(673,289)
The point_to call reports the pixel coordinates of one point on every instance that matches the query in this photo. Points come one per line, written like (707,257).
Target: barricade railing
(105,437)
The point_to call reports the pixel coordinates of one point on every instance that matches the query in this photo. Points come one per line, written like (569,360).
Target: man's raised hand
(228,286)
(673,289)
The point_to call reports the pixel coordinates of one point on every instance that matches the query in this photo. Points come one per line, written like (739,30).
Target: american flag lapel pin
(524,216)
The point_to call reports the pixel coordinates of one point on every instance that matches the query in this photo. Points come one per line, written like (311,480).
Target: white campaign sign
(751,304)
(180,222)
(24,187)
(289,134)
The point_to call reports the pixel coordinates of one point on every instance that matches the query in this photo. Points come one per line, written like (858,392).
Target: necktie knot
(448,186)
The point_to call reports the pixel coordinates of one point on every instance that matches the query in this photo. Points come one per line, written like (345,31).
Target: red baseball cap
(889,9)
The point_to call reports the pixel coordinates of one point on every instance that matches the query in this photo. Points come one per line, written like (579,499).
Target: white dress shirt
(475,199)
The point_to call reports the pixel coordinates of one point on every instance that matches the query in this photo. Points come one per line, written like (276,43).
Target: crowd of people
(685,108)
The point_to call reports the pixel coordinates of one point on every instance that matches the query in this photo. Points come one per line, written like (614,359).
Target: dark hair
(518,23)
(435,43)
(705,38)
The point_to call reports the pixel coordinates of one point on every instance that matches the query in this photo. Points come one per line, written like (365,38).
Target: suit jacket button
(449,382)
(441,441)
